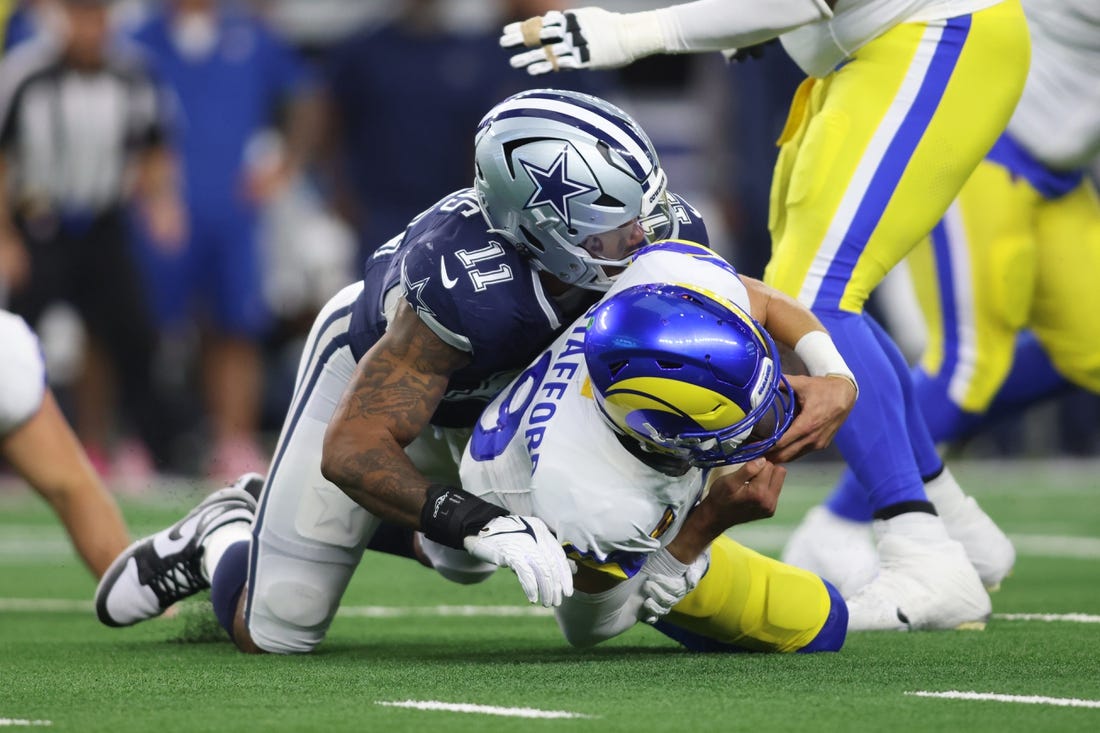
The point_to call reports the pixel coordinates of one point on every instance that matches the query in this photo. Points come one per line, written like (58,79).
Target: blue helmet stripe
(577,101)
(635,166)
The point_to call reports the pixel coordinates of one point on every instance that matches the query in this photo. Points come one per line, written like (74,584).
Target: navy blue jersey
(477,293)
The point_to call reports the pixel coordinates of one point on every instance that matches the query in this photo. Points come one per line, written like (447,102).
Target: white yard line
(1076,618)
(44,545)
(442,611)
(61,605)
(23,723)
(483,709)
(1064,702)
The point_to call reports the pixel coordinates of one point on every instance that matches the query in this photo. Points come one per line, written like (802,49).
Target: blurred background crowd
(188,181)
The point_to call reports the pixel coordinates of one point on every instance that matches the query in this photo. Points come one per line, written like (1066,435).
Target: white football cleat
(159,570)
(839,550)
(925,581)
(989,549)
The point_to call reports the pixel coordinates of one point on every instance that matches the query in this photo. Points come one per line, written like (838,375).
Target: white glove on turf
(530,549)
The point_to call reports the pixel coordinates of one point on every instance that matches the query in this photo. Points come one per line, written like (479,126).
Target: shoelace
(177,581)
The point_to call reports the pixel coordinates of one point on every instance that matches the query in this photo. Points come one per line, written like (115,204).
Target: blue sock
(849,499)
(874,440)
(832,634)
(229,578)
(923,446)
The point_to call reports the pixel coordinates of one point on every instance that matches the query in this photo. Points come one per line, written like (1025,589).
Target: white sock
(944,492)
(218,541)
(917,525)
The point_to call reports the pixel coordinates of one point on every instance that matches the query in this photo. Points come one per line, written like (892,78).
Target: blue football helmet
(687,373)
(555,169)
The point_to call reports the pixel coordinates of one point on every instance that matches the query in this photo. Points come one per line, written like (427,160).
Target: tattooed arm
(396,388)
(394,392)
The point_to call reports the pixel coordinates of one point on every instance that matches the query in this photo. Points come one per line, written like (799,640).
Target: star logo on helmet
(554,187)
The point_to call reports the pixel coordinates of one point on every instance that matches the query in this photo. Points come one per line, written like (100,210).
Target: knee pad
(290,617)
(754,602)
(457,566)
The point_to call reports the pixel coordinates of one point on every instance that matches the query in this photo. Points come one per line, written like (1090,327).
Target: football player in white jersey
(36,440)
(903,99)
(1019,249)
(607,437)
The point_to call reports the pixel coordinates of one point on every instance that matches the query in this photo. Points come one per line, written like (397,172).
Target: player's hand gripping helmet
(687,374)
(553,168)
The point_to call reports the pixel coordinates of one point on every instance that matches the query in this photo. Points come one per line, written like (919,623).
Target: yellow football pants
(873,154)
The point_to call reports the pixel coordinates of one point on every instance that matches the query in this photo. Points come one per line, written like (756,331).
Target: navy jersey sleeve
(690,221)
(475,292)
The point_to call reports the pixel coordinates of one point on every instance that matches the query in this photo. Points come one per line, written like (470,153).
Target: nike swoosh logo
(448,281)
(167,545)
(526,530)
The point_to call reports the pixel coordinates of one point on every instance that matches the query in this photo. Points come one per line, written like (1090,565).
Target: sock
(944,491)
(228,582)
(874,440)
(920,438)
(218,541)
(918,525)
(849,499)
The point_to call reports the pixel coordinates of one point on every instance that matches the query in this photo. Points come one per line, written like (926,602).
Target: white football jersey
(819,46)
(1058,117)
(541,447)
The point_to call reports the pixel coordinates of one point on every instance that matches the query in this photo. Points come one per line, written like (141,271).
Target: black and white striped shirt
(68,134)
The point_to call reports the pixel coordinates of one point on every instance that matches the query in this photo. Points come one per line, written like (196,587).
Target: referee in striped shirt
(82,136)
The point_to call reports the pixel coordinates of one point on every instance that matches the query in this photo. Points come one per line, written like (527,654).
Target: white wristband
(820,355)
(665,562)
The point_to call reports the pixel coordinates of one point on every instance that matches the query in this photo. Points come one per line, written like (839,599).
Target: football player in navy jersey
(398,367)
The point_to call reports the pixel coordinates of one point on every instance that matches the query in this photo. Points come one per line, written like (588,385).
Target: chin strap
(668,465)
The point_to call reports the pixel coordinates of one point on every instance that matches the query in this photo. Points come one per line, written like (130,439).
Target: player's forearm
(376,474)
(68,483)
(795,326)
(785,318)
(393,394)
(94,523)
(699,529)
(714,25)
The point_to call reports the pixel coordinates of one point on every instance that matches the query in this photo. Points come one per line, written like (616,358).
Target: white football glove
(585,38)
(530,549)
(667,582)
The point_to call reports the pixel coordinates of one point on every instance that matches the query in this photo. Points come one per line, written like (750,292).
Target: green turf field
(408,637)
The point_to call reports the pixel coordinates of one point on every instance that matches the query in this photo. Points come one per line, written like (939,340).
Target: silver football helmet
(557,172)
